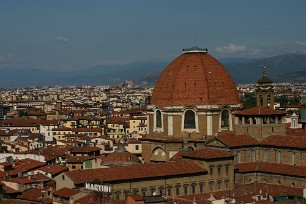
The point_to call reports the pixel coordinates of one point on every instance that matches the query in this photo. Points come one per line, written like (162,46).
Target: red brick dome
(194,78)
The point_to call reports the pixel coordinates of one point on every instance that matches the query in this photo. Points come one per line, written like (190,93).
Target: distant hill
(147,72)
(25,77)
(250,70)
(293,77)
(98,75)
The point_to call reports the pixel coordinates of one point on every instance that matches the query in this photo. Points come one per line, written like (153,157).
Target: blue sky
(75,34)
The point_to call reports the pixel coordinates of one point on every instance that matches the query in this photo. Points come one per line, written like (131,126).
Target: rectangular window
(185,189)
(211,186)
(266,155)
(226,170)
(226,184)
(193,188)
(161,191)
(88,164)
(252,155)
(177,190)
(279,157)
(293,158)
(211,170)
(219,170)
(219,185)
(201,187)
(169,189)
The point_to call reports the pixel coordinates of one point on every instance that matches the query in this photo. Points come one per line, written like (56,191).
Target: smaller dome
(120,157)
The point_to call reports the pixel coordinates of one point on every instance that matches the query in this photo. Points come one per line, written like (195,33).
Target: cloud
(61,39)
(231,49)
(300,43)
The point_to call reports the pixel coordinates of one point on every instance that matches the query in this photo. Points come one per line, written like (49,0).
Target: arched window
(261,100)
(158,119)
(268,100)
(225,119)
(189,120)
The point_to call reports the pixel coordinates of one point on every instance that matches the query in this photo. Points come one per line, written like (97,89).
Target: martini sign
(97,187)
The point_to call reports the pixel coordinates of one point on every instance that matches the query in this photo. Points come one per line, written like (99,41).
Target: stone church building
(195,104)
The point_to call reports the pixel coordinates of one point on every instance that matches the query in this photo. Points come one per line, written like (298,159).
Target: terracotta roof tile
(205,153)
(33,194)
(53,169)
(283,169)
(40,177)
(135,172)
(136,197)
(66,192)
(120,158)
(23,180)
(84,149)
(78,159)
(285,141)
(296,132)
(274,190)
(259,111)
(25,165)
(232,140)
(194,79)
(16,201)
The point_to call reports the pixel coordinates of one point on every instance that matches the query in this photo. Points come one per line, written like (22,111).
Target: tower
(264,91)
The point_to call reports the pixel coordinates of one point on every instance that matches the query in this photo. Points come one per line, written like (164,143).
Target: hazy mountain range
(281,68)
(289,67)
